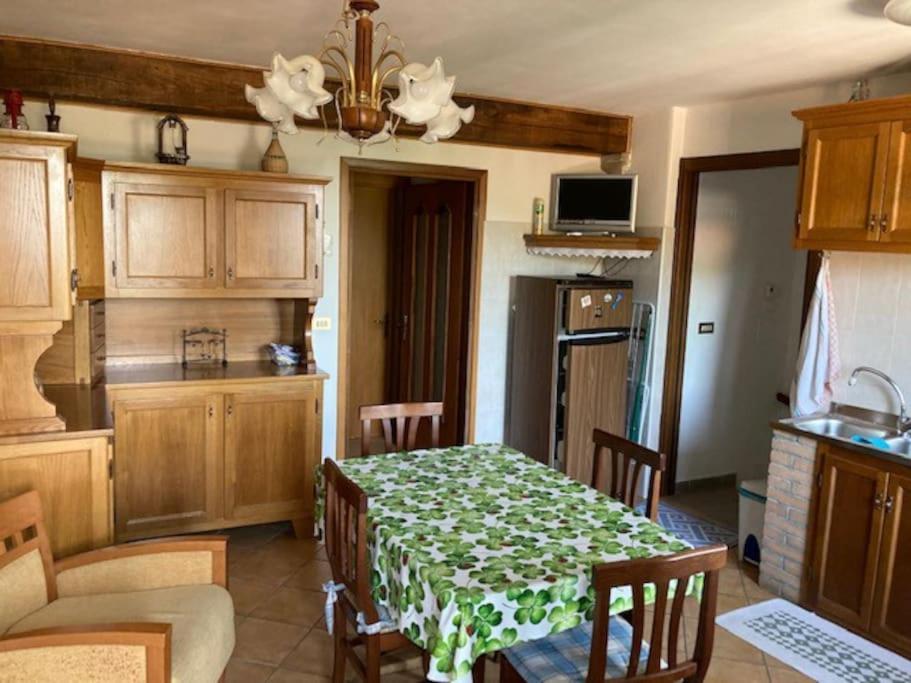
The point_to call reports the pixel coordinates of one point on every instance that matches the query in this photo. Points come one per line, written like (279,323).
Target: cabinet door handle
(211,411)
(230,410)
(888,504)
(884,222)
(74,279)
(871,226)
(230,273)
(211,271)
(878,501)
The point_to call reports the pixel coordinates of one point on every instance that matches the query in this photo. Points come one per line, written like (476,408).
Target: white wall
(742,247)
(515,178)
(872,292)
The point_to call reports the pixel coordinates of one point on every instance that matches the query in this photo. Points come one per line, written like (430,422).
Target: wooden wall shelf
(597,246)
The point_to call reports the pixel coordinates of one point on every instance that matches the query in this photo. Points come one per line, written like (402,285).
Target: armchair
(154,612)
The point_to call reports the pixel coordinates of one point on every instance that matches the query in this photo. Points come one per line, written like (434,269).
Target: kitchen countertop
(163,374)
(84,409)
(863,449)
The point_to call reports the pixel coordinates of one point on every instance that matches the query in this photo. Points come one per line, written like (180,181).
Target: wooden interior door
(849,526)
(271,450)
(71,476)
(166,236)
(372,217)
(595,397)
(428,350)
(271,240)
(893,593)
(168,466)
(895,220)
(34,233)
(844,179)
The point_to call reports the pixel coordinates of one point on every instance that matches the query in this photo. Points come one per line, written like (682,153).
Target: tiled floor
(718,504)
(282,638)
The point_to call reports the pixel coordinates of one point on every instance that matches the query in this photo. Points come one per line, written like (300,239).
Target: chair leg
(508,674)
(477,671)
(341,656)
(425,662)
(373,659)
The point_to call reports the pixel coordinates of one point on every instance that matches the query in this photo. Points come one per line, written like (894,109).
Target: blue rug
(693,530)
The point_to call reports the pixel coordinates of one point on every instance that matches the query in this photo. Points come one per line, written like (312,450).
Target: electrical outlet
(322,323)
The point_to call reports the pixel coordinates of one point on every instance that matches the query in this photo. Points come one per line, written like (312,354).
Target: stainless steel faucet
(904,424)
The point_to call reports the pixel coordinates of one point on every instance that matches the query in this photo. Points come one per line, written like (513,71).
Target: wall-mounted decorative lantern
(52,117)
(179,154)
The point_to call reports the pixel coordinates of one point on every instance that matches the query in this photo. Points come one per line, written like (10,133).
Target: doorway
(738,293)
(410,264)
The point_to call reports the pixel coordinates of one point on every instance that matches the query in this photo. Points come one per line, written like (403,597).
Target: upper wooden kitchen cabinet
(271,241)
(855,188)
(199,233)
(35,219)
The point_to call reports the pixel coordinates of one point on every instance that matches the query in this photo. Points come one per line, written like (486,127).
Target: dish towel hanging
(818,363)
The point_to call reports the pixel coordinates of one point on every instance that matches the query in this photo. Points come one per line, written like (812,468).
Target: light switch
(322,323)
(706,328)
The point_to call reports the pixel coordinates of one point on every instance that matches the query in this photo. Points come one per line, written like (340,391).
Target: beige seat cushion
(202,620)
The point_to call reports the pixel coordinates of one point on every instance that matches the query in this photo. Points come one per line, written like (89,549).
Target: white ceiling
(612,55)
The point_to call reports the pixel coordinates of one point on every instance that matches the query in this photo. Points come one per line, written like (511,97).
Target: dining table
(476,548)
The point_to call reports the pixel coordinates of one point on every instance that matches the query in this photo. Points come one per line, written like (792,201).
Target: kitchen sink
(900,445)
(841,428)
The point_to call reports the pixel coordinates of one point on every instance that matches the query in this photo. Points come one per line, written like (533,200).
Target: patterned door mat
(698,532)
(815,647)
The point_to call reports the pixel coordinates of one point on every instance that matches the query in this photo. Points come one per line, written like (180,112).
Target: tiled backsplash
(873,307)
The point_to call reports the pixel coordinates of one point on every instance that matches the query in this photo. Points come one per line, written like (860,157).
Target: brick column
(785,542)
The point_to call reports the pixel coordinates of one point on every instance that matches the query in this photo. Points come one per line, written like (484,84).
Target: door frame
(681,280)
(478,178)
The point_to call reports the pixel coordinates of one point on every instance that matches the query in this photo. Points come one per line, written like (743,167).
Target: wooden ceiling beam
(163,83)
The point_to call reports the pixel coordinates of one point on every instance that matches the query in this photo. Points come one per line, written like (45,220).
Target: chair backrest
(346,538)
(624,481)
(27,578)
(403,433)
(658,571)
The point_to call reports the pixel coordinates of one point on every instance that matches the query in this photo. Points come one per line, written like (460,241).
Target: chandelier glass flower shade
(368,111)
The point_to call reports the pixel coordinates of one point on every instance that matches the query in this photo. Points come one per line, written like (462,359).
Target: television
(594,202)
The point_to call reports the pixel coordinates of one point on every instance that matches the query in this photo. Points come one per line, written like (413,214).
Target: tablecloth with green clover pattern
(476,548)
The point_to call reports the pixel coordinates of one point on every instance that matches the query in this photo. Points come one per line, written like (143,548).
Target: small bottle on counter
(537,226)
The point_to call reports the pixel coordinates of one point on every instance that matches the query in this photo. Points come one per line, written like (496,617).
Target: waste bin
(752,518)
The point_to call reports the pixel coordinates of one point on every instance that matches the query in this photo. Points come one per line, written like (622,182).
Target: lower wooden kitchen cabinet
(72,477)
(209,456)
(861,573)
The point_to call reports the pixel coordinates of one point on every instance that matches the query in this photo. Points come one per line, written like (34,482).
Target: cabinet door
(271,450)
(71,476)
(895,219)
(166,236)
(595,397)
(848,530)
(893,594)
(271,241)
(844,176)
(34,233)
(167,469)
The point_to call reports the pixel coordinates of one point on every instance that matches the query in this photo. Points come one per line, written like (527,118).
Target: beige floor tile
(292,606)
(264,568)
(725,671)
(787,676)
(288,676)
(727,646)
(311,576)
(755,592)
(266,642)
(313,655)
(247,594)
(726,603)
(730,582)
(240,671)
(321,552)
(248,537)
(286,546)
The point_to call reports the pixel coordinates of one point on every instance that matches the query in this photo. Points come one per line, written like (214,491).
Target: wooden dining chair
(624,482)
(613,647)
(403,433)
(349,558)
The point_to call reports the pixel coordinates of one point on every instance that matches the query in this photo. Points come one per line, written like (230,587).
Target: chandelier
(366,109)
